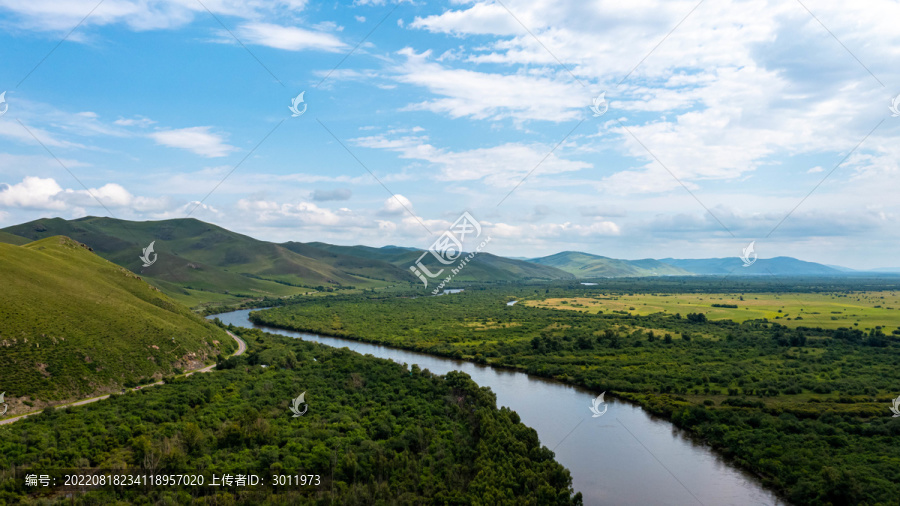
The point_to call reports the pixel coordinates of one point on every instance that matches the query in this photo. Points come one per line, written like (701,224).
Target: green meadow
(863,310)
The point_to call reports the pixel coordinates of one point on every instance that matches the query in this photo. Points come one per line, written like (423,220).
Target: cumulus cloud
(398,204)
(45,193)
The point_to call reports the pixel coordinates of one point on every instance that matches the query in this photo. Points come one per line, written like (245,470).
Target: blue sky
(714,136)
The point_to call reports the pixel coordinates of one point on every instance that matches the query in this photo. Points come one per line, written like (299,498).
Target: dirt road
(242,347)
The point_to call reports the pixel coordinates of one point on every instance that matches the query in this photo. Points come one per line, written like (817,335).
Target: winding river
(623,457)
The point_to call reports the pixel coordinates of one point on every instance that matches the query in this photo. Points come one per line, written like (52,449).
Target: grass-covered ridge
(201,262)
(73,324)
(804,408)
(376,432)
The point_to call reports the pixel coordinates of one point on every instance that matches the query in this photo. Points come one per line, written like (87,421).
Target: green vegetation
(803,407)
(376,432)
(73,324)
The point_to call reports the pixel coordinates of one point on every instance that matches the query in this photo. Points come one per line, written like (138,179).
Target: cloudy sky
(724,122)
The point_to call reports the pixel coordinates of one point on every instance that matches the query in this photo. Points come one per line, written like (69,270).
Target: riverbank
(609,456)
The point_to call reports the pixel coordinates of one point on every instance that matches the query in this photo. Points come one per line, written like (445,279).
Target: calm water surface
(625,457)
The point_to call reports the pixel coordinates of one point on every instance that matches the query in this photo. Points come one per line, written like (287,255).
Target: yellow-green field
(863,310)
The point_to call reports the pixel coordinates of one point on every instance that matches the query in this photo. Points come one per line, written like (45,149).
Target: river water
(624,457)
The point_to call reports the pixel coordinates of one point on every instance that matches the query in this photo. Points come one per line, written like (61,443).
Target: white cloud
(302,213)
(480,95)
(139,121)
(290,38)
(34,193)
(31,134)
(47,194)
(501,166)
(57,15)
(198,140)
(398,204)
(566,232)
(732,88)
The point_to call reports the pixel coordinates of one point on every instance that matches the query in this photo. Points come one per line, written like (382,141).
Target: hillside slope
(483,267)
(585,265)
(198,261)
(73,324)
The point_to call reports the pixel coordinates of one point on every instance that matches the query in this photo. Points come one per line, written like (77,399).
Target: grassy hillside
(370,268)
(6,237)
(584,265)
(200,262)
(483,267)
(73,324)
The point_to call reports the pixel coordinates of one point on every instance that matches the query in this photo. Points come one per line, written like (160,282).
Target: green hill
(73,324)
(585,265)
(483,267)
(6,237)
(200,262)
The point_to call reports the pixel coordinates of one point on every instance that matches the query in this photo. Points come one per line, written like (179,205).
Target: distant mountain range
(778,266)
(585,265)
(200,262)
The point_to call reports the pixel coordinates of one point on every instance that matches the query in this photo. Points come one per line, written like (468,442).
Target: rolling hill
(585,265)
(199,262)
(483,267)
(73,324)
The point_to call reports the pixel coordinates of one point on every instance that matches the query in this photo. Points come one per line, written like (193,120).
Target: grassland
(864,310)
(73,325)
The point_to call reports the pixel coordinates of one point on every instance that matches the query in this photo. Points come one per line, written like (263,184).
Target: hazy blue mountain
(778,266)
